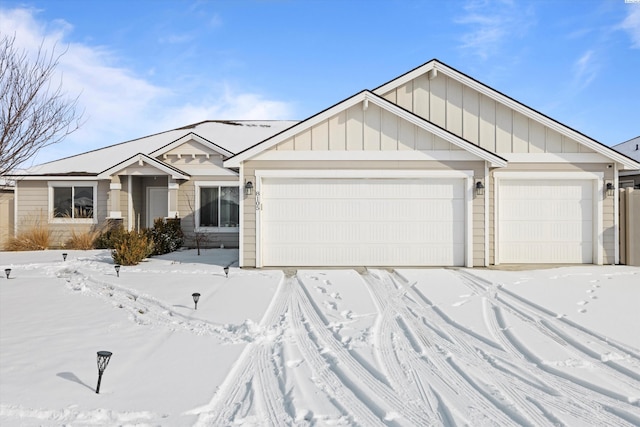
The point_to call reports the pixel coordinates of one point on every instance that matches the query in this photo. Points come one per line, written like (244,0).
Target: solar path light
(117,267)
(7,271)
(196,297)
(64,256)
(103,361)
(226,271)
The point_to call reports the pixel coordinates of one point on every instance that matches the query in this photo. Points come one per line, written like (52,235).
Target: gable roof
(226,137)
(630,148)
(435,66)
(366,96)
(141,159)
(191,137)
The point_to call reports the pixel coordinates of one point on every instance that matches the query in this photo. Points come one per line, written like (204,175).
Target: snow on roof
(232,135)
(630,148)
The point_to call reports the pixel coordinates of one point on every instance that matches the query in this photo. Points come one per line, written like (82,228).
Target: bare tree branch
(33,113)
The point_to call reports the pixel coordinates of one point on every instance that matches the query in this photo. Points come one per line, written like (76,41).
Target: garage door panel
(545,221)
(362,222)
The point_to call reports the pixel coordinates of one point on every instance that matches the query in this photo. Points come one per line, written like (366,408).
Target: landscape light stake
(64,256)
(117,267)
(196,297)
(226,271)
(103,361)
(7,271)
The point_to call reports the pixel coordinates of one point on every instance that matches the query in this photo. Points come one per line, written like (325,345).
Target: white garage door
(545,221)
(370,222)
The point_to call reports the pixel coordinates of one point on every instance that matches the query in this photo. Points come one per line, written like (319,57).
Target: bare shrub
(35,238)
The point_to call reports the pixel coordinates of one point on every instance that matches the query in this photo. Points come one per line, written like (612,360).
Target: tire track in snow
(522,391)
(502,410)
(547,322)
(382,400)
(244,391)
(583,398)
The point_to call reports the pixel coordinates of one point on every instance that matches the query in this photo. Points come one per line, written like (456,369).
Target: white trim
(173,186)
(548,175)
(486,215)
(468,232)
(364,173)
(616,216)
(53,184)
(115,215)
(512,104)
(191,136)
(493,158)
(15,209)
(598,186)
(66,178)
(130,218)
(196,214)
(242,198)
(140,159)
(392,155)
(467,175)
(556,158)
(115,186)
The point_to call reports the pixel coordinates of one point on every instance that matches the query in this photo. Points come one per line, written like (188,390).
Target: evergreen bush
(166,235)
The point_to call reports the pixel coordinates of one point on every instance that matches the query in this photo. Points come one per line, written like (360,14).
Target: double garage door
(356,221)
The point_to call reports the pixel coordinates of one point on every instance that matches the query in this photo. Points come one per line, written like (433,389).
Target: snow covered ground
(407,347)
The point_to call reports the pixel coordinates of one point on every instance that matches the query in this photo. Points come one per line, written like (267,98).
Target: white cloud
(631,25)
(585,70)
(119,103)
(491,23)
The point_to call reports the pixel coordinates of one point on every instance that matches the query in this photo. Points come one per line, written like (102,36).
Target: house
(431,168)
(630,148)
(178,173)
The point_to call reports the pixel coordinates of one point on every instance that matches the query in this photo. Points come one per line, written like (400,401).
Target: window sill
(217,229)
(73,221)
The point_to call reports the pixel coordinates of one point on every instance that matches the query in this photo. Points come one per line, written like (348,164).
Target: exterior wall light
(611,189)
(479,188)
(248,188)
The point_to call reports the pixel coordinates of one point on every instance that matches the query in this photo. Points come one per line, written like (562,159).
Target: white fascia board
(625,162)
(407,77)
(249,153)
(189,137)
(174,173)
(556,158)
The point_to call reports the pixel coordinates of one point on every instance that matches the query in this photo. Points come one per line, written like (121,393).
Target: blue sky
(142,67)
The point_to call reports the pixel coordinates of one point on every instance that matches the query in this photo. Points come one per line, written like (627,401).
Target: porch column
(173,199)
(114,200)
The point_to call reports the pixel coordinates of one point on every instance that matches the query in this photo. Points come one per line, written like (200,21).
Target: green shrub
(131,247)
(166,235)
(108,239)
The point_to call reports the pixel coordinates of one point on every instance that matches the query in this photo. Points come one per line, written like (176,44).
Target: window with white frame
(72,201)
(218,206)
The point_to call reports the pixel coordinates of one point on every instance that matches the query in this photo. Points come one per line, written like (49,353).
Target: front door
(157,204)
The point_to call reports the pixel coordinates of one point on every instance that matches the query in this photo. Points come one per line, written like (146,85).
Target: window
(68,201)
(218,206)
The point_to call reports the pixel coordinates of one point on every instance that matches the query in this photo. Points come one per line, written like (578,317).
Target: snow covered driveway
(315,347)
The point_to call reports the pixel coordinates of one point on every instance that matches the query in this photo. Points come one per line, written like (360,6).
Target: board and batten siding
(249,208)
(478,118)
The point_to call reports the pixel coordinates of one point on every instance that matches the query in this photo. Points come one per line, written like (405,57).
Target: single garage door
(545,221)
(370,222)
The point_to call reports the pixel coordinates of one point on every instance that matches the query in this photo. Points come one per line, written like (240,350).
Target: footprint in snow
(331,305)
(582,310)
(590,291)
(321,290)
(327,282)
(335,295)
(459,303)
(582,303)
(593,297)
(347,314)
